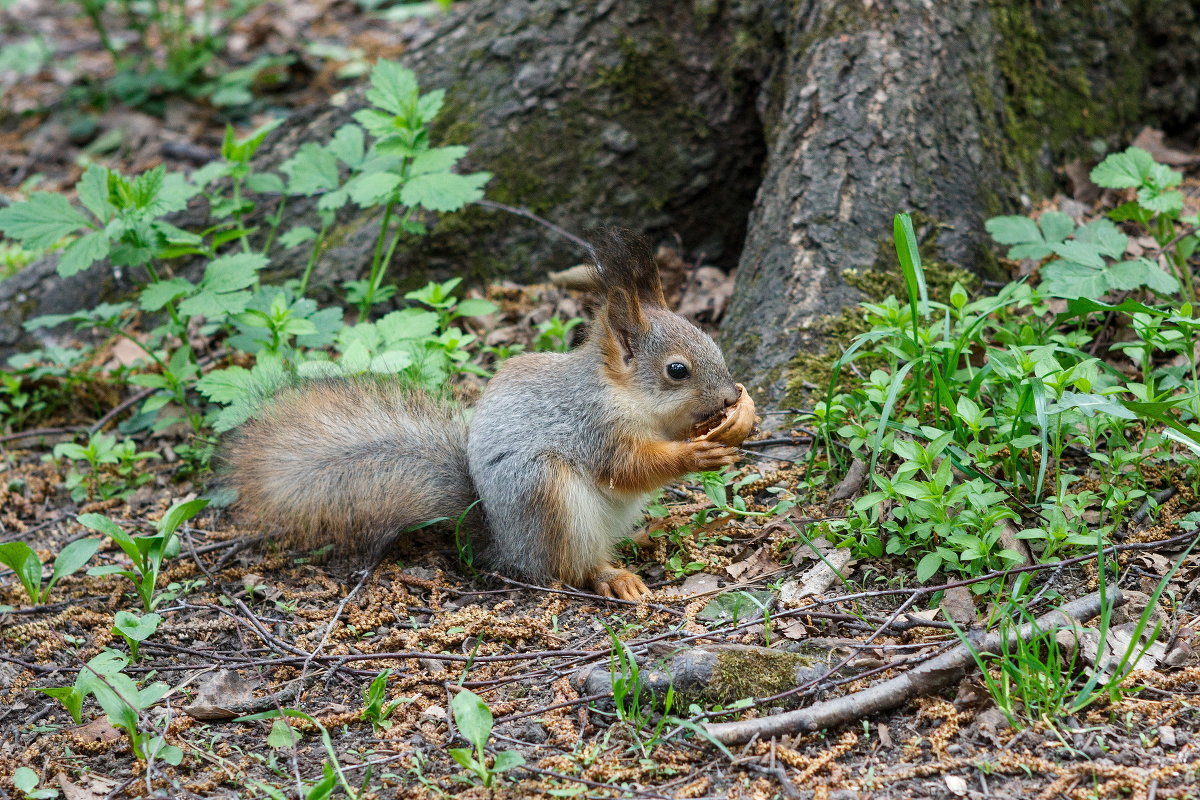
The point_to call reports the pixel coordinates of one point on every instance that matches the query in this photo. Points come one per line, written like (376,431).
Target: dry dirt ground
(252,626)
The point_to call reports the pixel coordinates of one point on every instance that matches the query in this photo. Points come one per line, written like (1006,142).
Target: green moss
(753,673)
(1049,108)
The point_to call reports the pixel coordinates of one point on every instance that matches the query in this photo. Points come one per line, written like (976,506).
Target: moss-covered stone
(753,673)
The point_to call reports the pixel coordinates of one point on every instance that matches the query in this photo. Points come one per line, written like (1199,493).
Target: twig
(931,676)
(521,212)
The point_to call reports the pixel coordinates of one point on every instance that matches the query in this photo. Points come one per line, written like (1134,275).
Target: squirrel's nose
(731,396)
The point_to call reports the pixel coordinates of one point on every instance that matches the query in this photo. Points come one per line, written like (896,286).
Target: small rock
(618,139)
(1166,737)
(432,665)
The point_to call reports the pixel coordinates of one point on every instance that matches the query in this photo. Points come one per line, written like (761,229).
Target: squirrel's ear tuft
(625,266)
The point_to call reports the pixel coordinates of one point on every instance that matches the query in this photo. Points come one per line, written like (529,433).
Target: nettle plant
(384,160)
(992,412)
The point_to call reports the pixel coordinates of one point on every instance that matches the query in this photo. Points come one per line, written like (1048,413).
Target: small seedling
(21,559)
(376,710)
(135,630)
(146,552)
(26,782)
(474,721)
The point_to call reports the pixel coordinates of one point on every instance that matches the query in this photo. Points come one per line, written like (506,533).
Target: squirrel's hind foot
(622,584)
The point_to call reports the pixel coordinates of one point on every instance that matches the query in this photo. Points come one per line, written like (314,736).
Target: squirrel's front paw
(619,583)
(708,455)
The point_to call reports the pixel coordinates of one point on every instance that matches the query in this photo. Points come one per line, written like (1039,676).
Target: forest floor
(249,626)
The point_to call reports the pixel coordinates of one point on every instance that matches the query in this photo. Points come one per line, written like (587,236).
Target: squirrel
(559,456)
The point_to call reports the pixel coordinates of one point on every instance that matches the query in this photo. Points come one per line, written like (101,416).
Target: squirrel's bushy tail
(351,462)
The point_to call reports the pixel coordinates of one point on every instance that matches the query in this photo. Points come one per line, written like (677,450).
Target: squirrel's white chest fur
(600,517)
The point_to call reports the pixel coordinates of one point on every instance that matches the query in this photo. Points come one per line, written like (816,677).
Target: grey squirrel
(562,450)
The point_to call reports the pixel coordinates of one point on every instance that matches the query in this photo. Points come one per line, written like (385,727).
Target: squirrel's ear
(628,278)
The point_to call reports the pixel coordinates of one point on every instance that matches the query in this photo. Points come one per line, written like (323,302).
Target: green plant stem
(369,299)
(312,258)
(92,9)
(276,218)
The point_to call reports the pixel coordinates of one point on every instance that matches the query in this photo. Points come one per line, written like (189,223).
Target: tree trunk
(947,110)
(669,116)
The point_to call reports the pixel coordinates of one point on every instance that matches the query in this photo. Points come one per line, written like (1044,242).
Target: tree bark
(947,110)
(817,120)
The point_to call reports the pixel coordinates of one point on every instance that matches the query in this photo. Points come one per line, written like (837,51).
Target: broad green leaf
(1130,275)
(1091,404)
(72,557)
(1105,236)
(1160,202)
(376,123)
(215,305)
(296,236)
(1069,279)
(429,105)
(20,558)
(1123,170)
(475,307)
(41,221)
(1013,230)
(179,513)
(24,779)
(473,718)
(444,191)
(282,735)
(1084,253)
(928,566)
(506,760)
(1056,226)
(137,628)
(407,324)
(102,524)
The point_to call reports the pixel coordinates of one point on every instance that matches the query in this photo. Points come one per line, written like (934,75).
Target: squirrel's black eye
(677,371)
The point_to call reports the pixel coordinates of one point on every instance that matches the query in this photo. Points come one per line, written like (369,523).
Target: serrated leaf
(1084,253)
(1123,170)
(41,221)
(1130,275)
(158,294)
(372,189)
(1105,236)
(296,236)
(264,183)
(376,123)
(429,105)
(444,191)
(393,87)
(93,192)
(215,305)
(1161,202)
(313,169)
(437,159)
(1013,229)
(231,272)
(348,145)
(82,253)
(1056,226)
(407,324)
